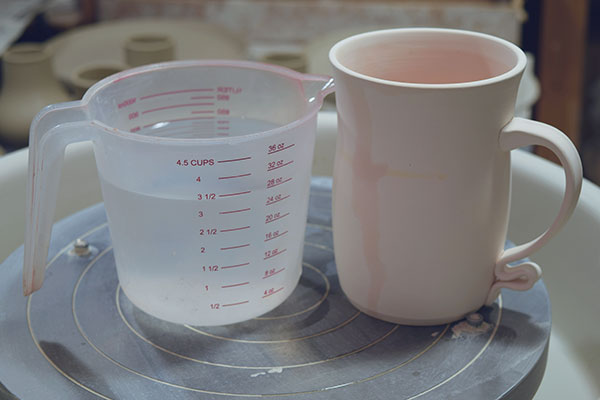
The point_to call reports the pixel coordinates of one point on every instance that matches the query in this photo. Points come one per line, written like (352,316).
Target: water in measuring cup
(216,269)
(222,127)
(166,269)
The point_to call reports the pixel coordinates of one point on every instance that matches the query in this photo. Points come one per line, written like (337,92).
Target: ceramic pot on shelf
(28,86)
(149,48)
(291,60)
(87,75)
(139,50)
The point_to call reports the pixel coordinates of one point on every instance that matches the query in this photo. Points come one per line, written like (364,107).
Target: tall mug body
(422,176)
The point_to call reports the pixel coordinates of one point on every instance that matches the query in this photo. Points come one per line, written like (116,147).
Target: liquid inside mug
(205,174)
(422,172)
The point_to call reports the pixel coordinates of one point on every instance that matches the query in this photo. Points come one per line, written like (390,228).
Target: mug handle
(524,132)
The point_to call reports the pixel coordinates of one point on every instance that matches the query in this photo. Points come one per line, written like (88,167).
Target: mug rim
(512,72)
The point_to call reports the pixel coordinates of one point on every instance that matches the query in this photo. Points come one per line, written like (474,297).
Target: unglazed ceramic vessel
(149,48)
(28,85)
(422,172)
(87,75)
(105,43)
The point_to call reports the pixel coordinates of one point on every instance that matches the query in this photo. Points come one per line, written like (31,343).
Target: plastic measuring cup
(205,173)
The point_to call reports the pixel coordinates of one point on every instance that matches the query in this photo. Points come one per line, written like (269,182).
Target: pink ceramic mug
(421,192)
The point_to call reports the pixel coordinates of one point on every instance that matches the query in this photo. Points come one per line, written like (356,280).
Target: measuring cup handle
(51,131)
(523,132)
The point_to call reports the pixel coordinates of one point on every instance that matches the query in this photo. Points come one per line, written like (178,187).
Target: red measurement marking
(275,254)
(177,120)
(276,218)
(235,304)
(203,112)
(229,89)
(235,247)
(279,183)
(273,292)
(202,97)
(234,211)
(235,176)
(126,103)
(234,285)
(236,265)
(235,194)
(222,122)
(280,166)
(276,236)
(235,159)
(176,92)
(234,229)
(282,149)
(278,200)
(274,273)
(176,106)
(223,128)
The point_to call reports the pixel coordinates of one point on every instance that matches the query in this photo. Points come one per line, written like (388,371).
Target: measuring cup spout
(51,131)
(316,87)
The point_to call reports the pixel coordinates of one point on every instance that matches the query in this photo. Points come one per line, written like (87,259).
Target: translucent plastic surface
(205,170)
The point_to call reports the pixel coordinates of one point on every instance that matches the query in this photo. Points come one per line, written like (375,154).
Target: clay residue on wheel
(463,328)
